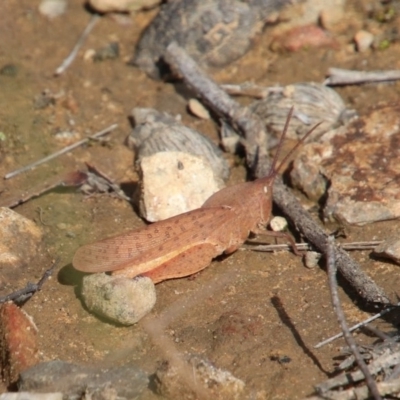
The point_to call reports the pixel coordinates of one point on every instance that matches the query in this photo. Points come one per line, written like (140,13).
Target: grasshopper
(186,243)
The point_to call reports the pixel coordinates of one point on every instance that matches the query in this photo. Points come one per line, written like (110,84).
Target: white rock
(119,299)
(278,224)
(52,8)
(19,239)
(173,183)
(363,40)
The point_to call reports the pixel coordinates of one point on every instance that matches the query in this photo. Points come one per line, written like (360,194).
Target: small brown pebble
(18,341)
(303,37)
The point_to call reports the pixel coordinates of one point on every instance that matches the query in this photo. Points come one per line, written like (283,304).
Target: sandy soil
(271,307)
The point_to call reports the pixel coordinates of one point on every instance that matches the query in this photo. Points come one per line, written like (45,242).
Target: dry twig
(338,76)
(346,378)
(22,295)
(60,152)
(331,266)
(369,245)
(68,61)
(359,325)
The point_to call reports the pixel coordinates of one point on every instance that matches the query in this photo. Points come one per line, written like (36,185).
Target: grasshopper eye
(265,188)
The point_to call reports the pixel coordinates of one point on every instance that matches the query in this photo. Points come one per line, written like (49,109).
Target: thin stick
(386,388)
(68,61)
(356,326)
(306,246)
(28,291)
(332,271)
(338,76)
(62,151)
(382,362)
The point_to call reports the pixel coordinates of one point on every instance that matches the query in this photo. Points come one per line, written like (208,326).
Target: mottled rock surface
(118,299)
(161,132)
(214,33)
(18,342)
(198,376)
(75,380)
(358,165)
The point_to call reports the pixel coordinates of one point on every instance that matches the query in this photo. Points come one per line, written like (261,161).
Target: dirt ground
(270,307)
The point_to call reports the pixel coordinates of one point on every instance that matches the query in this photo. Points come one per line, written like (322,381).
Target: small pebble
(278,224)
(89,54)
(363,40)
(197,109)
(118,299)
(52,8)
(311,259)
(214,33)
(62,226)
(67,137)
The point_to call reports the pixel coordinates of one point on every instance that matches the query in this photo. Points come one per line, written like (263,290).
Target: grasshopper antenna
(274,170)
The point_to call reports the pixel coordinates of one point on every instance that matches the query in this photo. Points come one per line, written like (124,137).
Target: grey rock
(214,33)
(312,102)
(109,6)
(74,380)
(197,376)
(118,299)
(390,248)
(159,132)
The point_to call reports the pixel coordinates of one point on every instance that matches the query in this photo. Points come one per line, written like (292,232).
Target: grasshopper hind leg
(186,263)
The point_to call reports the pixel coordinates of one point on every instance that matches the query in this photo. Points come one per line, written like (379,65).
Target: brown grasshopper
(186,243)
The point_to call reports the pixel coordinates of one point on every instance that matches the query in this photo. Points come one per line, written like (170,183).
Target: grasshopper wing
(147,248)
